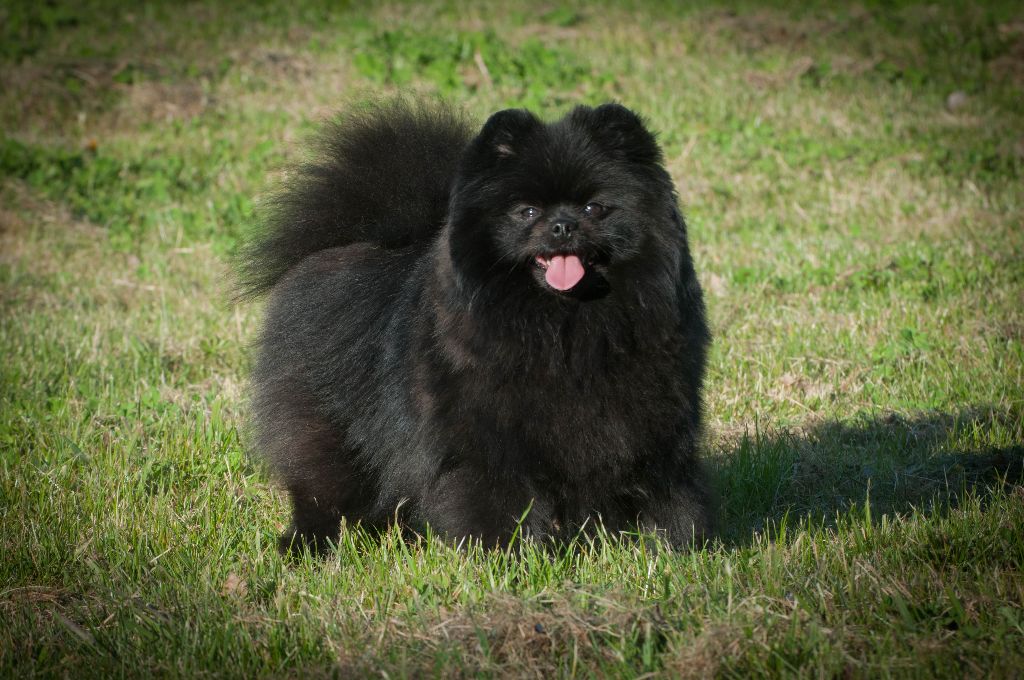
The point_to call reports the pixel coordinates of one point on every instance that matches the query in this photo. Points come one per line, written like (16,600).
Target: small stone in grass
(956,101)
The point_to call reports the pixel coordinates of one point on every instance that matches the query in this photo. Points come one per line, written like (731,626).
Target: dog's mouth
(563,271)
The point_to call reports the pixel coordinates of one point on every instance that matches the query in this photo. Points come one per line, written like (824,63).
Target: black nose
(563,228)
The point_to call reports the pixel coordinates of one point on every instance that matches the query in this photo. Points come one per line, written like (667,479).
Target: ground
(852,176)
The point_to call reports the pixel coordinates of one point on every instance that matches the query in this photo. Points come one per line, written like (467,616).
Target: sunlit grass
(860,244)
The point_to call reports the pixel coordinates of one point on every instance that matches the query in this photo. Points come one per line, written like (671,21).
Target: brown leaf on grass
(234,585)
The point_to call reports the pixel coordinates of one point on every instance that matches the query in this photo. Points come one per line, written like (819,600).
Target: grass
(858,232)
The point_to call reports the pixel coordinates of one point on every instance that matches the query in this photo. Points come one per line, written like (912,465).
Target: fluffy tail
(382,174)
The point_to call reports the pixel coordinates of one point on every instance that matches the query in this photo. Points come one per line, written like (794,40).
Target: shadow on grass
(926,461)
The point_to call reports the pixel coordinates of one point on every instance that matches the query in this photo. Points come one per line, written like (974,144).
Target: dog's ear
(620,131)
(504,130)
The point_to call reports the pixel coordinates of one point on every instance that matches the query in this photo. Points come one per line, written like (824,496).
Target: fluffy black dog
(463,329)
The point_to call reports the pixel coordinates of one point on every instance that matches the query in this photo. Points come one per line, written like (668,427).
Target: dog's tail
(382,174)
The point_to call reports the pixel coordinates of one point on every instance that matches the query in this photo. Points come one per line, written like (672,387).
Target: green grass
(861,243)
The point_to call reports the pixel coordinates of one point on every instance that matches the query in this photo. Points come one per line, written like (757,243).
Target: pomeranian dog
(482,334)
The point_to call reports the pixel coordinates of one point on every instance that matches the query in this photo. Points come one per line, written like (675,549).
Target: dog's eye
(594,210)
(530,213)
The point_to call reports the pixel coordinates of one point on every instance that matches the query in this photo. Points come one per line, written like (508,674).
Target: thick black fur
(414,365)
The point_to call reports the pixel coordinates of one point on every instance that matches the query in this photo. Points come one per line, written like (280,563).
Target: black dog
(463,328)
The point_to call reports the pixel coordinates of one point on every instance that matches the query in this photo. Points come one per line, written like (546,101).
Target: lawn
(853,177)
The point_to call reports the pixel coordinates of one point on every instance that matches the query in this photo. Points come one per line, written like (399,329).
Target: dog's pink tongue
(564,272)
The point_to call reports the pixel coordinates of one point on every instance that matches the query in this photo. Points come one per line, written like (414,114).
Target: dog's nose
(563,228)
